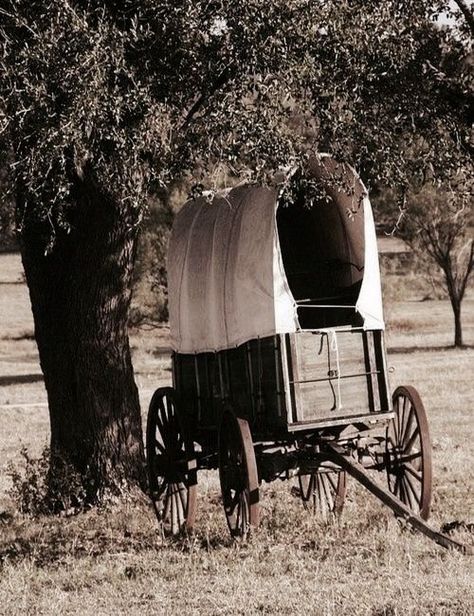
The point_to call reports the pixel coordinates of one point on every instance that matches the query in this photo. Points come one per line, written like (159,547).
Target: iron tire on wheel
(171,464)
(324,492)
(408,452)
(238,475)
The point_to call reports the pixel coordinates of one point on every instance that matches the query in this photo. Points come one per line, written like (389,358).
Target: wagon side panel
(184,381)
(248,378)
(255,386)
(337,375)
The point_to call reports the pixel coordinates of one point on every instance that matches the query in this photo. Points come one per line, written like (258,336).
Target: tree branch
(467,12)
(220,80)
(467,273)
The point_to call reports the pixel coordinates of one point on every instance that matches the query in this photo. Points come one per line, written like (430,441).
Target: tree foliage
(441,225)
(134,93)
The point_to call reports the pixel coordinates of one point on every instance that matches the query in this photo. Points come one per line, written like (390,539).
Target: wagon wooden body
(286,383)
(279,367)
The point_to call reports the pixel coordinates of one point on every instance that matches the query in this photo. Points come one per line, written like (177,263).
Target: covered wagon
(279,367)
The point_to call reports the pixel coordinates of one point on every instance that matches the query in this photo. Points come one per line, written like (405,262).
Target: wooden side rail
(338,376)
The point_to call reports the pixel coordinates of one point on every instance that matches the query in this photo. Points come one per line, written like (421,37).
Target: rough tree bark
(80,296)
(455,297)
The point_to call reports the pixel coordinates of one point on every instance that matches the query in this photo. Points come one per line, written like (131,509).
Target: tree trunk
(80,296)
(457,323)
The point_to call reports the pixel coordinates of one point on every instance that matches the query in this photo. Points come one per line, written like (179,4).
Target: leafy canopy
(131,94)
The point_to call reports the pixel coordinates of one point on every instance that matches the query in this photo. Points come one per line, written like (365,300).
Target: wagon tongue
(337,455)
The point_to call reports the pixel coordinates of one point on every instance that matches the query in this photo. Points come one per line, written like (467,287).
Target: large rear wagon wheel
(238,475)
(408,452)
(323,493)
(171,464)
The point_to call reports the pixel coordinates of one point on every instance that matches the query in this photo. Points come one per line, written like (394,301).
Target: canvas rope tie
(335,348)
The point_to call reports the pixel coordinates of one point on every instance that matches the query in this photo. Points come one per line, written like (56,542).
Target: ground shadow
(162,351)
(16,379)
(414,349)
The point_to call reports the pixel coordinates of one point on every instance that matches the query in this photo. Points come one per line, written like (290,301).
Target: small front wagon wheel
(238,475)
(323,492)
(171,464)
(408,452)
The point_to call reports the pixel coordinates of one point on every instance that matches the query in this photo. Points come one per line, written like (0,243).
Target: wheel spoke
(180,442)
(395,423)
(308,490)
(182,493)
(162,412)
(403,493)
(174,516)
(168,409)
(391,442)
(415,487)
(157,494)
(159,446)
(396,486)
(316,498)
(322,499)
(167,506)
(412,471)
(413,456)
(406,411)
(333,479)
(399,419)
(327,492)
(234,502)
(239,510)
(243,510)
(413,495)
(164,429)
(159,422)
(408,424)
(408,444)
(407,495)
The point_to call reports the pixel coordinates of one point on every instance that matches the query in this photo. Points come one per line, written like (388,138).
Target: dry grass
(115,561)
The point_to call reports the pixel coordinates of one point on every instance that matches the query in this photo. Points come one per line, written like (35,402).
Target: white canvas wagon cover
(227,282)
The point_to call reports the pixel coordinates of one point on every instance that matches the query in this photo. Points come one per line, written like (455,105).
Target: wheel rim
(238,475)
(408,452)
(323,493)
(171,465)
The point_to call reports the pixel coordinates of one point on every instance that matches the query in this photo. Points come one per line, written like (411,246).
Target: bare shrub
(35,491)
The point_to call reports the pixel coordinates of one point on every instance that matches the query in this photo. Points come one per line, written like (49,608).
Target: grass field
(116,561)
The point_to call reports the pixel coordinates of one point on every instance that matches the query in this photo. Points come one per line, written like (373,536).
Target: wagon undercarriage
(320,464)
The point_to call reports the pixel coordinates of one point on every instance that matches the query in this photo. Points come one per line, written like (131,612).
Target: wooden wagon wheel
(408,452)
(238,475)
(324,492)
(171,464)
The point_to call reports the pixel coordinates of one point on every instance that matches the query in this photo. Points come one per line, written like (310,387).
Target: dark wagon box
(291,381)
